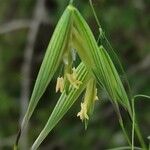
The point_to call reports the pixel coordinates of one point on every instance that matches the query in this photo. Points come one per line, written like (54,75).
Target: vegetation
(99,71)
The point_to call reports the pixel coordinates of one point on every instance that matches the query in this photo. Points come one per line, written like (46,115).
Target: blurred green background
(25,30)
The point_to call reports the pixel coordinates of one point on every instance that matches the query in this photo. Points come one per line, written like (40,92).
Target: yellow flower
(72,78)
(96,97)
(83,112)
(60,84)
(89,100)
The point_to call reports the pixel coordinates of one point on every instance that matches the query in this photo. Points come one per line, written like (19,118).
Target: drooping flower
(60,84)
(89,99)
(83,112)
(72,78)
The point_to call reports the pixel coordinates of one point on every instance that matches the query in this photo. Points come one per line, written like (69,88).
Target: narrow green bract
(57,46)
(101,64)
(63,104)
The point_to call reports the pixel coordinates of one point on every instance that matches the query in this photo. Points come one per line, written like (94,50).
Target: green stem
(138,132)
(116,106)
(15,147)
(124,131)
(133,123)
(71,2)
(136,128)
(94,13)
(125,148)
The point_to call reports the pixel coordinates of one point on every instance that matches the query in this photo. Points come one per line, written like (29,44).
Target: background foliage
(126,24)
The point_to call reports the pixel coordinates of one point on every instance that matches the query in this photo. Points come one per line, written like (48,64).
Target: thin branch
(18,24)
(14,25)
